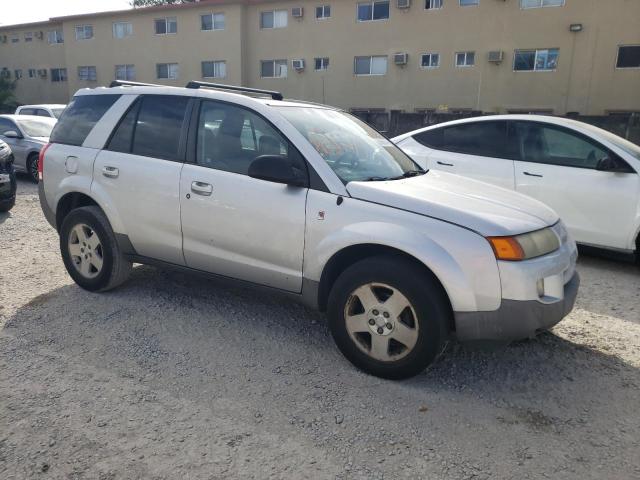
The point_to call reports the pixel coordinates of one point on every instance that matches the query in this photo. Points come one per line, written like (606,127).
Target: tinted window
(27,111)
(7,125)
(80,117)
(42,113)
(122,138)
(230,138)
(540,143)
(487,139)
(159,126)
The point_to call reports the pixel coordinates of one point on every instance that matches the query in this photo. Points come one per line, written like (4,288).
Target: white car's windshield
(36,128)
(354,150)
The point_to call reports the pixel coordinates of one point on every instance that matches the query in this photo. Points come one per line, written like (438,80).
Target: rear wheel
(90,251)
(388,316)
(32,167)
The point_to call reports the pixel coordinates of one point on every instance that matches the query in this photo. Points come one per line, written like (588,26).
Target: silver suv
(307,200)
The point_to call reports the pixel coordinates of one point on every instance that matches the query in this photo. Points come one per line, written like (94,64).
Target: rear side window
(486,139)
(80,117)
(27,111)
(152,128)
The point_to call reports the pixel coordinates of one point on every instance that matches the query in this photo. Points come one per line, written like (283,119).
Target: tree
(7,100)
(152,3)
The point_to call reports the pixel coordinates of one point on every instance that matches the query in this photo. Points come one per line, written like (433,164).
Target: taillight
(41,160)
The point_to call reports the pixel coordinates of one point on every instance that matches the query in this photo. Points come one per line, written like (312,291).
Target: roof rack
(127,83)
(235,88)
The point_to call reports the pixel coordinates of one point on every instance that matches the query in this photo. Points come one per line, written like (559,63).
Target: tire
(86,238)
(424,320)
(32,167)
(6,206)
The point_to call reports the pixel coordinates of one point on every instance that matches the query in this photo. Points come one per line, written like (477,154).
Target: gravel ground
(176,376)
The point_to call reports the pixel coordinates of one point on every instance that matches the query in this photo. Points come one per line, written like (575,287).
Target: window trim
(466,55)
(616,67)
(166,25)
(535,60)
(214,62)
(95,70)
(432,9)
(371,57)
(372,3)
(213,22)
(273,12)
(113,29)
(59,69)
(84,31)
(430,67)
(541,5)
(477,4)
(59,37)
(326,67)
(125,65)
(274,67)
(168,77)
(324,7)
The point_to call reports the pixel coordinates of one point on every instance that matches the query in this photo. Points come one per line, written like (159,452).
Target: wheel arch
(344,258)
(70,201)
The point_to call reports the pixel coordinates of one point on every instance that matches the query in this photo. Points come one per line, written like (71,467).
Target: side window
(79,118)
(122,138)
(430,138)
(7,125)
(42,113)
(158,127)
(230,138)
(556,146)
(27,111)
(486,139)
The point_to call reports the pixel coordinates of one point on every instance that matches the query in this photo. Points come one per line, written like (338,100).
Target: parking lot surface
(177,376)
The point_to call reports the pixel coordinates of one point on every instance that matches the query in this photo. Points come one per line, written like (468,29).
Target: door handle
(445,164)
(201,188)
(532,174)
(110,172)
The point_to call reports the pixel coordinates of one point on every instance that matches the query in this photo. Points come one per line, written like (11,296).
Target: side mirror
(12,134)
(277,169)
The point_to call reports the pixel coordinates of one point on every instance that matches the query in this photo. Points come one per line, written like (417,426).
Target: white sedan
(587,175)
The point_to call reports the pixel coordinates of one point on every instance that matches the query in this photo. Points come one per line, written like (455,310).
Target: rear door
(139,172)
(558,167)
(478,150)
(235,225)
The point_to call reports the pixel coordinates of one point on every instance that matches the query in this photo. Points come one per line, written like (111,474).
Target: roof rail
(127,83)
(235,88)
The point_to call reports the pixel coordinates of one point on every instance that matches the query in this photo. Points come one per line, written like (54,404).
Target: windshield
(57,112)
(36,128)
(354,150)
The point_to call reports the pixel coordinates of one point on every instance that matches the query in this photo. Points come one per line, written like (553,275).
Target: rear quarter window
(79,118)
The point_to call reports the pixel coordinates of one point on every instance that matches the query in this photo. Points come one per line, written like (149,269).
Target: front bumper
(516,319)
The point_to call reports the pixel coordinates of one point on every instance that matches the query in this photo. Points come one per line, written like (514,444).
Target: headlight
(525,246)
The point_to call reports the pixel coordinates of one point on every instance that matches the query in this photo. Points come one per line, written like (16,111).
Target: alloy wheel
(85,250)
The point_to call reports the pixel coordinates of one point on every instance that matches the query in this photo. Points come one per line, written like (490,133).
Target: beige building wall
(585,80)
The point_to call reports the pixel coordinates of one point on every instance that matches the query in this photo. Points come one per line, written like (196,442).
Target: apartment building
(554,56)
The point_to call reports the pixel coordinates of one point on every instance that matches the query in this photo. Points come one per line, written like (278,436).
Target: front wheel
(389,316)
(32,167)
(90,251)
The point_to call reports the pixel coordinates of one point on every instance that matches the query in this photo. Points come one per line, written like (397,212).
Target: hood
(43,140)
(484,208)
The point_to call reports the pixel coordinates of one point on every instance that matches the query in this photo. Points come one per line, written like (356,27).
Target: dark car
(7,178)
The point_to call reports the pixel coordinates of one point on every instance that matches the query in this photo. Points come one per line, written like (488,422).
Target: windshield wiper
(410,173)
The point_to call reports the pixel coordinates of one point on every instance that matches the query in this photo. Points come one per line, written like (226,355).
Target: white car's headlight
(525,246)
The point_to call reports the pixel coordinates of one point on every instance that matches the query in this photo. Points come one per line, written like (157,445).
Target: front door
(18,145)
(558,167)
(232,224)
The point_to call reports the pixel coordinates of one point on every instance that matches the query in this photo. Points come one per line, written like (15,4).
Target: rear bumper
(516,319)
(48,213)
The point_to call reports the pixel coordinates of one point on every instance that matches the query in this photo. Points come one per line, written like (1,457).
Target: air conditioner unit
(42,73)
(496,56)
(400,58)
(40,35)
(297,12)
(298,64)
(404,3)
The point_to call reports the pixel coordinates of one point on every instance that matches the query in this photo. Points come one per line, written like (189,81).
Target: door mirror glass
(12,134)
(277,169)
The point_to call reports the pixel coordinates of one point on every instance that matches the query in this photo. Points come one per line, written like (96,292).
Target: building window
(535,60)
(15,38)
(167,71)
(273,19)
(58,74)
(166,26)
(122,29)
(273,68)
(465,59)
(84,32)
(87,74)
(628,56)
(374,65)
(323,12)
(321,63)
(55,36)
(430,60)
(28,37)
(541,3)
(469,3)
(32,73)
(125,72)
(214,69)
(368,11)
(432,4)
(18,73)
(212,21)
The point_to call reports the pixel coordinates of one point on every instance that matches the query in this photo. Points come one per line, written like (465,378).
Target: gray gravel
(176,376)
